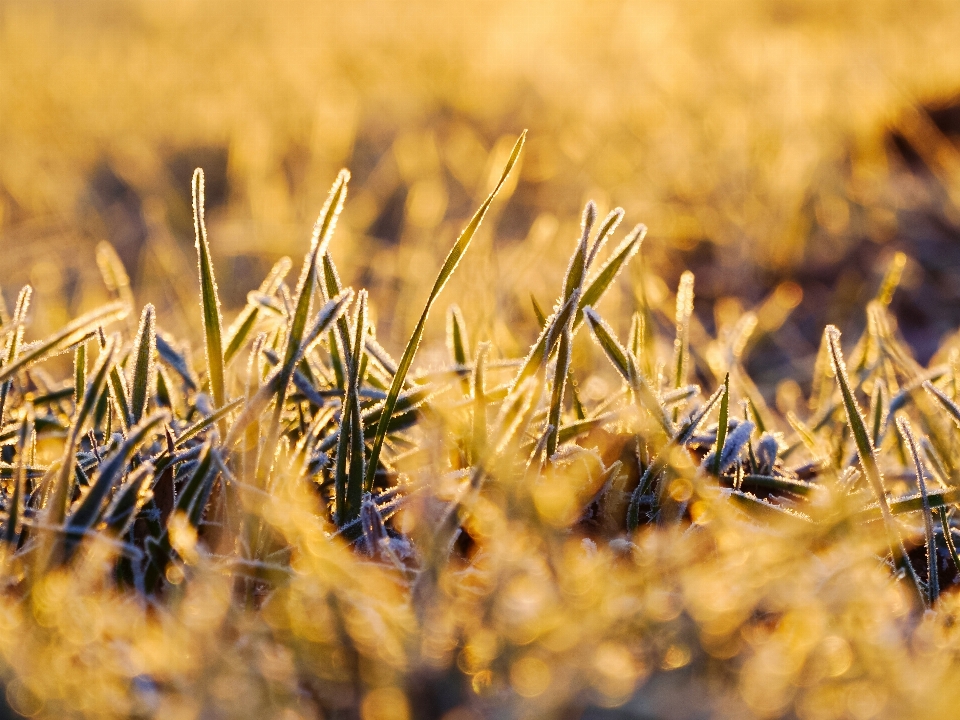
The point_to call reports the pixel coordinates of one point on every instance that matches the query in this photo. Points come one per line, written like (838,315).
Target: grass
(322,531)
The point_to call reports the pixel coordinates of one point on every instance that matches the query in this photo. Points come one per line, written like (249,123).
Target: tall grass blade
(358,471)
(681,345)
(559,381)
(449,265)
(209,299)
(933,584)
(868,461)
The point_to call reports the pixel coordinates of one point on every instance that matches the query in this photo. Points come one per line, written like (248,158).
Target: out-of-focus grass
(757,126)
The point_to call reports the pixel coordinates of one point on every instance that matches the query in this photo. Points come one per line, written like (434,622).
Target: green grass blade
(722,426)
(610,270)
(933,585)
(480,402)
(457,342)
(175,360)
(560,381)
(121,397)
(854,417)
(681,345)
(878,415)
(322,231)
(449,265)
(143,369)
(356,483)
(538,311)
(209,299)
(79,373)
(578,261)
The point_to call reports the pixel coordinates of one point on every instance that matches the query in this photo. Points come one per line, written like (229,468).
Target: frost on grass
(314,531)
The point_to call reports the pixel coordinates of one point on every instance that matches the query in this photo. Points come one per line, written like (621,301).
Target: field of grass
(649,411)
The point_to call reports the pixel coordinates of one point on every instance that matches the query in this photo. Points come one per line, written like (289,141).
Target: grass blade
(457,342)
(209,299)
(449,265)
(121,397)
(933,585)
(11,533)
(358,471)
(79,373)
(681,345)
(457,337)
(716,467)
(480,403)
(578,261)
(559,381)
(868,461)
(143,369)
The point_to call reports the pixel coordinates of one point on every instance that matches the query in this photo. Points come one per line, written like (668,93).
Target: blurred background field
(781,149)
